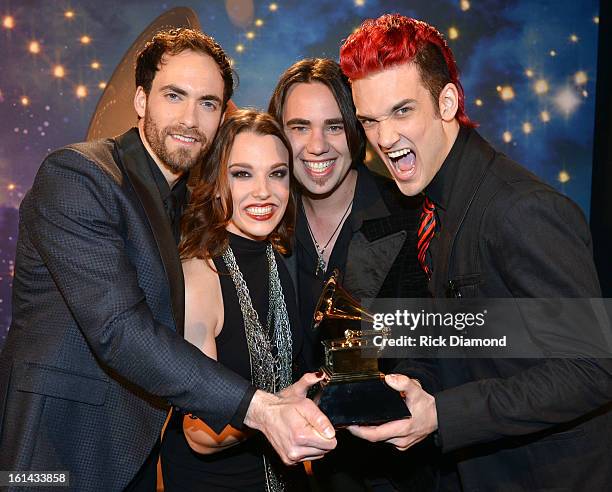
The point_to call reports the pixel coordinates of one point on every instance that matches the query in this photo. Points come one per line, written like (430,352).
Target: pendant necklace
(321,263)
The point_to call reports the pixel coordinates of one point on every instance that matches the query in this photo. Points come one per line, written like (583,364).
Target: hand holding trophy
(353,390)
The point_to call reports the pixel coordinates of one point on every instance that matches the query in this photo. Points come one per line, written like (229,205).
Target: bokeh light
(563,177)
(81,91)
(59,71)
(580,77)
(527,128)
(541,86)
(506,92)
(34,47)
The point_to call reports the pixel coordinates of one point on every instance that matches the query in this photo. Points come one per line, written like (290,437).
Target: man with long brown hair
(352,219)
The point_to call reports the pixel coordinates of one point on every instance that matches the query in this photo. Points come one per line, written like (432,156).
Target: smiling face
(183,109)
(411,137)
(258,172)
(313,123)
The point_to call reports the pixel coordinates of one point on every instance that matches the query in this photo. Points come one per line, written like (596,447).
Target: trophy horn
(337,304)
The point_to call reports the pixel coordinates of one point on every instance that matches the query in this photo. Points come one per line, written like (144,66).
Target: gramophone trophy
(353,390)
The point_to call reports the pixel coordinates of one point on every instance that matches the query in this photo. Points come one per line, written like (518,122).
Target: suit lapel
(291,264)
(473,165)
(132,155)
(369,262)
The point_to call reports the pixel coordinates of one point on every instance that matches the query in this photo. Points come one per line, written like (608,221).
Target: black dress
(240,467)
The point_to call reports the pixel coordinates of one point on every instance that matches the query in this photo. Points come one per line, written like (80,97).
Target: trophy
(353,390)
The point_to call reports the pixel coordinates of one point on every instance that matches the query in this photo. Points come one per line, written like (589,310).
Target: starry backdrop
(528,68)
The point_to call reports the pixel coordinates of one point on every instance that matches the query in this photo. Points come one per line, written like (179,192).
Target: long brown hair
(327,72)
(210,208)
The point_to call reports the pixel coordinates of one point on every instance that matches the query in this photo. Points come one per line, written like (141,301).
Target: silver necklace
(321,263)
(270,350)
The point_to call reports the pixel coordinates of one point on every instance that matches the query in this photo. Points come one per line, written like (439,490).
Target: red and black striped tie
(425,233)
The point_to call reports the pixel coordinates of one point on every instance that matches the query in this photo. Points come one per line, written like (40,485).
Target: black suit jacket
(95,351)
(381,263)
(517,424)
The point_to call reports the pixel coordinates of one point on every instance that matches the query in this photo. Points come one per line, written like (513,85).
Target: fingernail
(319,374)
(329,432)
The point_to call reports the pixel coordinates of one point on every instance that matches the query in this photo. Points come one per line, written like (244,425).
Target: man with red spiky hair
(490,229)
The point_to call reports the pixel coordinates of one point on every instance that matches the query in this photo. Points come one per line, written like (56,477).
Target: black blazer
(381,263)
(381,260)
(95,351)
(518,424)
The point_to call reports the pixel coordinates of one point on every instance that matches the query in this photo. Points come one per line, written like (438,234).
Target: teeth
(184,139)
(259,210)
(396,154)
(318,166)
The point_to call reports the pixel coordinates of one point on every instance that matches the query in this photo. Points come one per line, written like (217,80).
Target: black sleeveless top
(240,467)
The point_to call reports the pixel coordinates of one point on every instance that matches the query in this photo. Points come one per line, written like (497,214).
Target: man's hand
(300,388)
(294,425)
(404,433)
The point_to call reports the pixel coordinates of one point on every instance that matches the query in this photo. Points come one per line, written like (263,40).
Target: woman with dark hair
(239,302)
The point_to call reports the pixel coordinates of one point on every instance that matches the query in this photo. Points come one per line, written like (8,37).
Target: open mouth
(183,138)
(319,168)
(260,212)
(403,162)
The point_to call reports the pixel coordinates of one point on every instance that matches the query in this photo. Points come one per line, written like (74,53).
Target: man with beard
(355,220)
(490,229)
(95,352)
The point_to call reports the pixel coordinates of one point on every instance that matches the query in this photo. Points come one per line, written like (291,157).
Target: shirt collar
(440,188)
(179,188)
(368,204)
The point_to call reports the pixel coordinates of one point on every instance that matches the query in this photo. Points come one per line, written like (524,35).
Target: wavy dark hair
(175,41)
(210,208)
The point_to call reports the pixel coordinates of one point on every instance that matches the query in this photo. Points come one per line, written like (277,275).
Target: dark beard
(180,160)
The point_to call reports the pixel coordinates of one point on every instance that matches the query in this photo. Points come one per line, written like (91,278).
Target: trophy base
(362,401)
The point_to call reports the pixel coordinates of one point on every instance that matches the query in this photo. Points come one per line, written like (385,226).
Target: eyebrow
(395,107)
(297,121)
(183,92)
(250,166)
(301,121)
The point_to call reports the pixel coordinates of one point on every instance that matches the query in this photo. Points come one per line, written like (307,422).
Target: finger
(398,382)
(311,454)
(384,432)
(311,438)
(371,434)
(306,381)
(317,419)
(303,453)
(403,444)
(409,388)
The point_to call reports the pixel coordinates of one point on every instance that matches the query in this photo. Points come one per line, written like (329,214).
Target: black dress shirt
(309,284)
(174,198)
(440,189)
